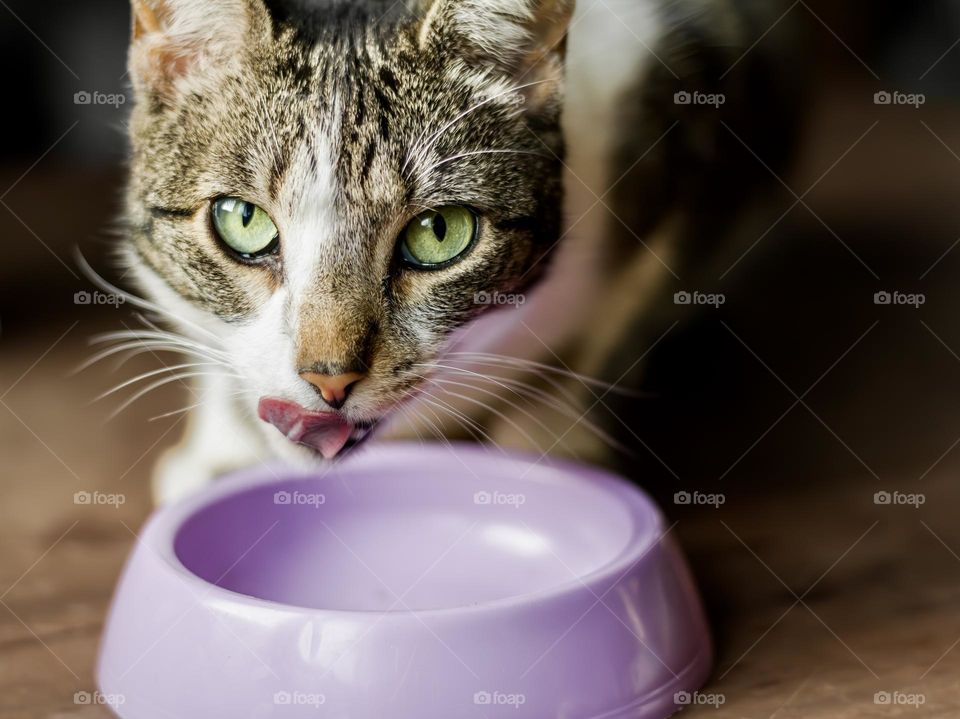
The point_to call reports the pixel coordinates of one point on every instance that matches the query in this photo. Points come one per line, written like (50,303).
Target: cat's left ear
(524,38)
(178,44)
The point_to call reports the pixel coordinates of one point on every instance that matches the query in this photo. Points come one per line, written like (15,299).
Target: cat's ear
(175,42)
(526,38)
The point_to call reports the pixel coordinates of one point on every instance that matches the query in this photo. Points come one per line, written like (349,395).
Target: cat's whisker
(531,365)
(567,394)
(157,385)
(411,419)
(134,300)
(493,410)
(497,413)
(424,173)
(153,340)
(146,341)
(176,412)
(134,349)
(505,382)
(446,441)
(421,149)
(444,383)
(153,373)
(472,428)
(158,334)
(179,337)
(570,409)
(422,394)
(232,395)
(526,391)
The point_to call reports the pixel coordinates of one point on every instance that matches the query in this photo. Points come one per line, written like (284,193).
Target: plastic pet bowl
(411,582)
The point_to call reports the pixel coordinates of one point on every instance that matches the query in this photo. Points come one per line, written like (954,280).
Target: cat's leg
(217,440)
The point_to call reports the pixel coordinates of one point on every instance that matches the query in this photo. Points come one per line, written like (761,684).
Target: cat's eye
(436,239)
(244,227)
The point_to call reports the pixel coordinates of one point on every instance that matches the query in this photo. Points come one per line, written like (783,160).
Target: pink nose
(333,388)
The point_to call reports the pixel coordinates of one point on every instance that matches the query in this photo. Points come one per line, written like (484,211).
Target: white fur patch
(307,214)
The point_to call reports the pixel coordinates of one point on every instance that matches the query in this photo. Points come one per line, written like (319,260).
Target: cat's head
(328,190)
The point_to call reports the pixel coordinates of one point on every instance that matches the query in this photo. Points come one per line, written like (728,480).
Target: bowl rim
(647,530)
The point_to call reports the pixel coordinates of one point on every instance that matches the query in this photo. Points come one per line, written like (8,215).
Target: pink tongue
(325,432)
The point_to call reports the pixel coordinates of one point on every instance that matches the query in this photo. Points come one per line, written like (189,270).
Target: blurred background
(793,405)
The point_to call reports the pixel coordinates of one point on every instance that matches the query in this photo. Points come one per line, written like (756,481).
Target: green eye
(434,240)
(244,227)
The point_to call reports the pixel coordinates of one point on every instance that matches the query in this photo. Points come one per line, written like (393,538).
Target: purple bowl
(413,582)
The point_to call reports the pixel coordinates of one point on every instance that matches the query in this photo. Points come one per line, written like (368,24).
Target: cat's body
(345,120)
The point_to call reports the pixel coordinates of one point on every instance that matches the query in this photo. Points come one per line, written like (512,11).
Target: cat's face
(329,193)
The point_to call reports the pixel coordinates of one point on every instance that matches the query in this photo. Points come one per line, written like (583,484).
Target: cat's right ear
(525,39)
(182,45)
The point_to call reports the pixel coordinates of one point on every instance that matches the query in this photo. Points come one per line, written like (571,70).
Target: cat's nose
(333,388)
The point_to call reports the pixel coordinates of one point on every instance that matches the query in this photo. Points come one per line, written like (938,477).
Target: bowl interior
(397,537)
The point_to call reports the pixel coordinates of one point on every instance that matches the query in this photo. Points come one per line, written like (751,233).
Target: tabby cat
(450,214)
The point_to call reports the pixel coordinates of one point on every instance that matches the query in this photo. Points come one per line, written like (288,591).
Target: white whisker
(152,373)
(474,153)
(160,383)
(134,300)
(420,149)
(530,365)
(527,392)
